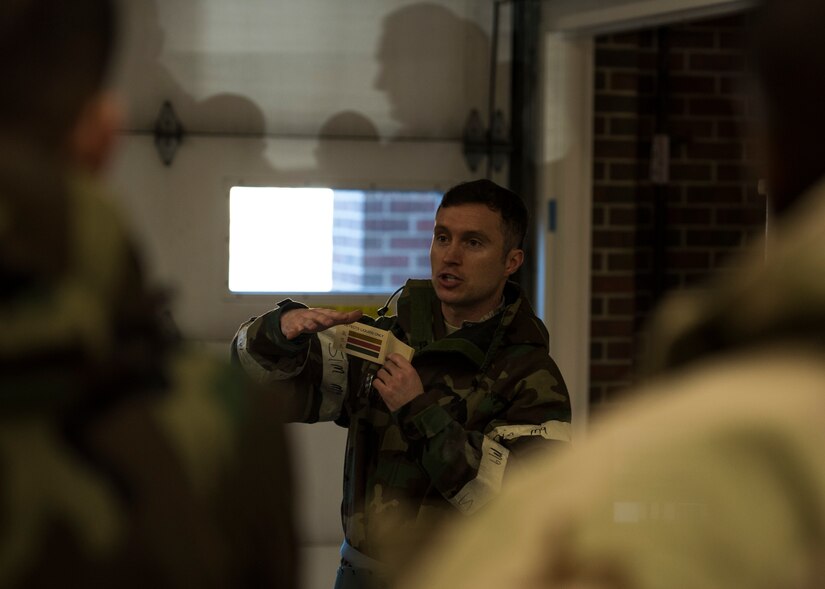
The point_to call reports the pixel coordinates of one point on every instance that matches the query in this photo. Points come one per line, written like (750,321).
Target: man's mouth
(448,279)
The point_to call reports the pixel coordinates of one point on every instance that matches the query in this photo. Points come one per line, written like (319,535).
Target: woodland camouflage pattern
(125,461)
(491,389)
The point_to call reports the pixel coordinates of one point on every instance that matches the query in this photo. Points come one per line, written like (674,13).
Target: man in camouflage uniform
(125,460)
(714,477)
(434,436)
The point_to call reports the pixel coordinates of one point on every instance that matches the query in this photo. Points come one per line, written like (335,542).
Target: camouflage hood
(70,288)
(778,297)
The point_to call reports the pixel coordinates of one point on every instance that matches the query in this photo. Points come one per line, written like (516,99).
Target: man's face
(469,262)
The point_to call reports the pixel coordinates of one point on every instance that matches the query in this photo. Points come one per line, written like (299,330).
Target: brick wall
(712,205)
(380,239)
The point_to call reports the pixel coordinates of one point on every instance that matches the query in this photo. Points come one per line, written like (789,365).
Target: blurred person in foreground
(125,460)
(714,477)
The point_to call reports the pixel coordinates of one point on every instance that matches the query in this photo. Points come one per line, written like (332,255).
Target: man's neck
(458,316)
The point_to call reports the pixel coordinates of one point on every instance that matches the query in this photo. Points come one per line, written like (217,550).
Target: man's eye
(441,239)
(474,243)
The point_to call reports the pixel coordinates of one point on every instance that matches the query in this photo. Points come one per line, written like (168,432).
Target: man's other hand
(299,321)
(397,382)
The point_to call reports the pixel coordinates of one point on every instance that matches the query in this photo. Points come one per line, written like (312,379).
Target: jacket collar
(420,318)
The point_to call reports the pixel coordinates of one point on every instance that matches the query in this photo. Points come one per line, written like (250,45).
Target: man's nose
(452,253)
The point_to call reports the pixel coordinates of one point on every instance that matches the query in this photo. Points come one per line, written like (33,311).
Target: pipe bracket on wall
(479,142)
(168,133)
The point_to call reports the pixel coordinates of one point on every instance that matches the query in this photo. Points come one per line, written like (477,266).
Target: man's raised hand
(295,322)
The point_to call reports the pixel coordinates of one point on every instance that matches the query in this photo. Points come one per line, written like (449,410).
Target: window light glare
(280,239)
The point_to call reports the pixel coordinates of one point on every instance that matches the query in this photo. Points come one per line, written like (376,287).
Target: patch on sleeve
(475,494)
(549,430)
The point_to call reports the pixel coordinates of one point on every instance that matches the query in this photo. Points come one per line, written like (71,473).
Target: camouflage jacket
(125,461)
(491,392)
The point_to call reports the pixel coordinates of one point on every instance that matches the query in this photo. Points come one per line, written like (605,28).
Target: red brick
(612,328)
(692,84)
(735,21)
(623,216)
(621,306)
(601,372)
(614,149)
(733,173)
(727,129)
(596,305)
(714,194)
(745,216)
(714,238)
(638,171)
(612,239)
(608,193)
(632,82)
(691,128)
(717,107)
(411,206)
(632,39)
(688,216)
(715,151)
(677,62)
(633,126)
(414,243)
(688,260)
(385,225)
(386,261)
(624,58)
(613,284)
(425,225)
(732,40)
(688,39)
(691,172)
(733,85)
(613,103)
(716,62)
(676,107)
(619,262)
(620,351)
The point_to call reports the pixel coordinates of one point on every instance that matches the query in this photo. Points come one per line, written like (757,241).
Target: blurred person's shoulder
(710,479)
(126,458)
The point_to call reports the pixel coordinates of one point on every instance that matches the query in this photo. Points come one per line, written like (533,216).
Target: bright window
(312,240)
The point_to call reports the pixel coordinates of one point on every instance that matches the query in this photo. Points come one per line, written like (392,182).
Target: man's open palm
(298,321)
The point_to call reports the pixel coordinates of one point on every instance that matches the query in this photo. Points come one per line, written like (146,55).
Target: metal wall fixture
(494,141)
(168,133)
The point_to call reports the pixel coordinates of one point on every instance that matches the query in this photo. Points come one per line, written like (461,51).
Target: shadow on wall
(433,69)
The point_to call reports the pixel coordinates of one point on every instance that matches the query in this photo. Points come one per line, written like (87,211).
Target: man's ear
(514,260)
(92,140)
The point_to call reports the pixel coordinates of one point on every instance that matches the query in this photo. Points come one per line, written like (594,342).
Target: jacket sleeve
(308,372)
(468,466)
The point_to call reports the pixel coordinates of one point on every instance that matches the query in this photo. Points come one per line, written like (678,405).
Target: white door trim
(566,184)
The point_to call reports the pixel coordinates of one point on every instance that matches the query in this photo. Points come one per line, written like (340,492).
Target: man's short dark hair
(506,202)
(54,56)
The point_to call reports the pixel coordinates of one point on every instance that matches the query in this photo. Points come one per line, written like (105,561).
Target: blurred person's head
(790,63)
(54,56)
(477,246)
